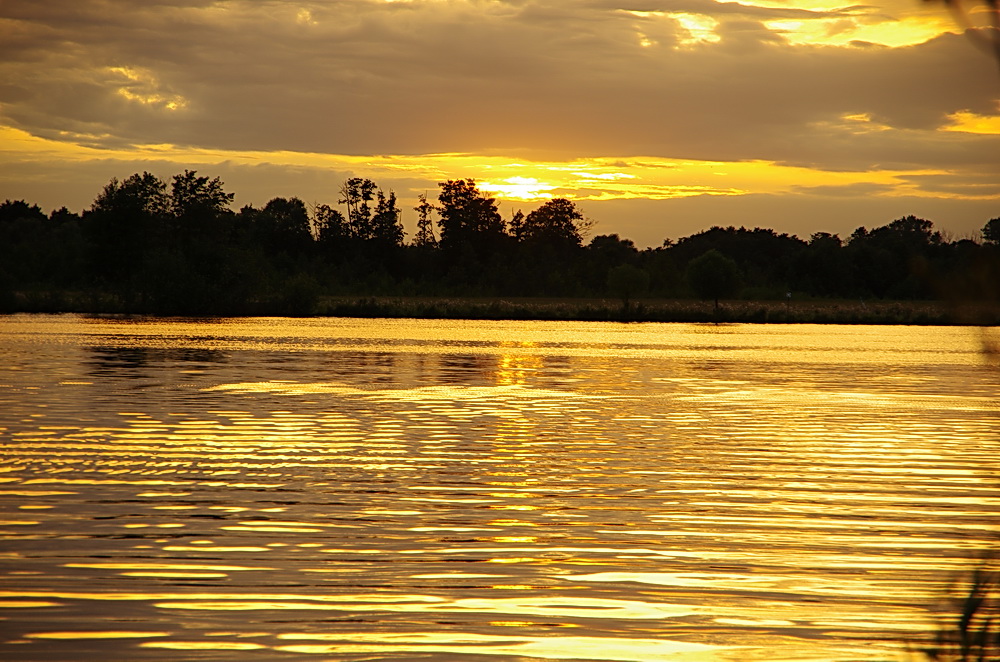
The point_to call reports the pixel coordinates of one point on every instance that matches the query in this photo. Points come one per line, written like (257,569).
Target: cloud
(414,77)
(653,83)
(860,189)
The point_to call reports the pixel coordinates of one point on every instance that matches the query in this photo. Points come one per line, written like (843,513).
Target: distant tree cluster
(146,245)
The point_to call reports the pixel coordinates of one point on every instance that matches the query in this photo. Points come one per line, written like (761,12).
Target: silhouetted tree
(125,222)
(894,260)
(469,217)
(16,210)
(823,267)
(991,231)
(386,228)
(603,253)
(195,198)
(767,259)
(627,281)
(517,225)
(557,223)
(283,224)
(37,251)
(332,230)
(712,275)
(356,193)
(425,223)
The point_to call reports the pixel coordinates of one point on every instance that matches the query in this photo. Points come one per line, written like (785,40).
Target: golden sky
(660,117)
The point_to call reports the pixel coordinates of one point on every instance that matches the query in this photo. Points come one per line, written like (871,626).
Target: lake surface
(331,489)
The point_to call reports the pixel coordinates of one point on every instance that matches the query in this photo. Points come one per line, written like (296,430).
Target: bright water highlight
(337,489)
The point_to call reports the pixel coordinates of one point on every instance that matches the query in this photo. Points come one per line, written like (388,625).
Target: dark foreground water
(274,489)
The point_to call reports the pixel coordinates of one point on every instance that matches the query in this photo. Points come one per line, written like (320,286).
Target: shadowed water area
(331,489)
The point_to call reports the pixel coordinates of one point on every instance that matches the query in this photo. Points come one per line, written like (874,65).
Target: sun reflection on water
(399,488)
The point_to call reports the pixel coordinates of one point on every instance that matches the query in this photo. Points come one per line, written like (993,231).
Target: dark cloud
(556,80)
(985,184)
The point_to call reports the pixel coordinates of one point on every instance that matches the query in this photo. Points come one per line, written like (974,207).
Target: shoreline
(917,313)
(804,311)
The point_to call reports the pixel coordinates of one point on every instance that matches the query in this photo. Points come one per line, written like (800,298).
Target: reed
(657,310)
(969,627)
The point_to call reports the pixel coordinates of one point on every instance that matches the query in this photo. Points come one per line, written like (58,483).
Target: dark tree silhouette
(468,216)
(356,193)
(16,210)
(283,225)
(557,223)
(125,222)
(332,230)
(198,198)
(146,247)
(626,282)
(712,275)
(386,228)
(991,231)
(425,223)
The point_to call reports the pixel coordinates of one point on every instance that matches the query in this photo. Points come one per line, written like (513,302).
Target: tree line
(146,245)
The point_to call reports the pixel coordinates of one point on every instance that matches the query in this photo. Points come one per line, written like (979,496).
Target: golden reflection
(97,634)
(520,647)
(174,575)
(164,566)
(515,369)
(770,486)
(203,645)
(231,549)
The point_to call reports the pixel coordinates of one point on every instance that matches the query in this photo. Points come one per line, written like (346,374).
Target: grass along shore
(665,310)
(794,311)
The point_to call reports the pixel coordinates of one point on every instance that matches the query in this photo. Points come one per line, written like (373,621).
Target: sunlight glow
(142,87)
(858,123)
(700,28)
(519,188)
(614,178)
(968,122)
(850,30)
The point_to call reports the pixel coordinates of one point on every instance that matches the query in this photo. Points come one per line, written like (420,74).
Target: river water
(332,489)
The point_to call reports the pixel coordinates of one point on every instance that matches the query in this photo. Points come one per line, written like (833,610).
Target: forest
(178,248)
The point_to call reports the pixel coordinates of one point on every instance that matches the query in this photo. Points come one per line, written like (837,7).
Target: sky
(659,118)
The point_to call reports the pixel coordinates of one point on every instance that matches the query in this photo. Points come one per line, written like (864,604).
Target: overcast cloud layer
(675,79)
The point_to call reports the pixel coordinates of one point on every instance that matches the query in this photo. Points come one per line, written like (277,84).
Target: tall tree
(557,223)
(386,228)
(712,275)
(469,217)
(143,194)
(356,193)
(332,230)
(123,225)
(517,225)
(198,198)
(991,231)
(425,222)
(284,224)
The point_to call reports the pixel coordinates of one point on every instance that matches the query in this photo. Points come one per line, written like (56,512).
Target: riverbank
(666,310)
(802,311)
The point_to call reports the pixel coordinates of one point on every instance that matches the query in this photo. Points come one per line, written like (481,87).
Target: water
(443,490)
